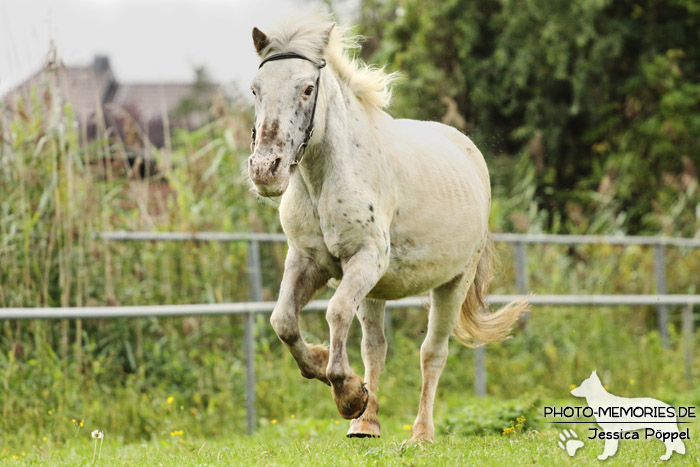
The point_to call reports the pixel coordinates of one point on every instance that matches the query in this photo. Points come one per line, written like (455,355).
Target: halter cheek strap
(310,128)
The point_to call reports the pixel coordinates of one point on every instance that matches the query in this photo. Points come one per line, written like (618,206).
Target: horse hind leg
(446,302)
(371,317)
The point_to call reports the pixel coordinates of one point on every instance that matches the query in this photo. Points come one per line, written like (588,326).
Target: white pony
(382,208)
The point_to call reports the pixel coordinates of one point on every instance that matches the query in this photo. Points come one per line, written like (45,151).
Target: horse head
(286,89)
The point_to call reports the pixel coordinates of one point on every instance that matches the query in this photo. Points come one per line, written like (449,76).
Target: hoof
(363,429)
(418,440)
(309,375)
(420,435)
(316,366)
(352,402)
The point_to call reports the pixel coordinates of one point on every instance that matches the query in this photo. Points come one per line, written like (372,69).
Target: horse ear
(260,40)
(327,34)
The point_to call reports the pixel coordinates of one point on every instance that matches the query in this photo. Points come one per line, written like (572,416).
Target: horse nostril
(275,166)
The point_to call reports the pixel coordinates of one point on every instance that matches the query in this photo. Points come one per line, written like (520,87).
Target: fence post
(520,267)
(255,284)
(521,274)
(687,330)
(480,372)
(660,278)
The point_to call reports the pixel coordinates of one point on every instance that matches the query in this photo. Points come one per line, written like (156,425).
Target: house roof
(150,100)
(89,87)
(85,87)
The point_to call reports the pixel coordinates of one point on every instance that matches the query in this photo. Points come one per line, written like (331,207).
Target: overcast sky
(146,40)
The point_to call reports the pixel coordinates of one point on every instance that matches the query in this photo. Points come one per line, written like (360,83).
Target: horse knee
(339,314)
(285,326)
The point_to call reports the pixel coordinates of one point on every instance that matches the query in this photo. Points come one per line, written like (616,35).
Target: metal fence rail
(661,300)
(498,237)
(150,311)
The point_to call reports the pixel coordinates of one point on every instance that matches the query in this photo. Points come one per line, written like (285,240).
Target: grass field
(301,441)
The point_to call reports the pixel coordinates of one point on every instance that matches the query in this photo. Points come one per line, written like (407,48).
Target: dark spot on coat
(270,130)
(340,201)
(357,145)
(371,219)
(371,208)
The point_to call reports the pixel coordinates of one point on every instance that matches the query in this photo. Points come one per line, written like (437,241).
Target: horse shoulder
(299,218)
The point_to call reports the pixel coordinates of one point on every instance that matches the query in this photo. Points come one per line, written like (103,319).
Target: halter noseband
(309,129)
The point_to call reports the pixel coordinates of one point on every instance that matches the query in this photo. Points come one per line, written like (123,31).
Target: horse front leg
(302,278)
(371,317)
(360,274)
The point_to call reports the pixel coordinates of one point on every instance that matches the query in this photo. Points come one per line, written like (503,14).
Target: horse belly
(422,269)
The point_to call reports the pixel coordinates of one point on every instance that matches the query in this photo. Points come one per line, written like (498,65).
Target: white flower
(97,434)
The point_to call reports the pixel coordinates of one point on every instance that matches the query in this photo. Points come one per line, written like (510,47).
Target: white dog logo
(621,417)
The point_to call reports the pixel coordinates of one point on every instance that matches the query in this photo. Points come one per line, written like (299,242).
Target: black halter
(309,129)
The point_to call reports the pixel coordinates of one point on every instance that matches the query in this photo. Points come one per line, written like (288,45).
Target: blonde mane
(306,36)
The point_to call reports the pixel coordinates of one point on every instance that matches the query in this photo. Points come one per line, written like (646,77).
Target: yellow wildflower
(44,438)
(337,422)
(572,387)
(170,399)
(407,427)
(273,421)
(177,433)
(50,411)
(292,415)
(632,381)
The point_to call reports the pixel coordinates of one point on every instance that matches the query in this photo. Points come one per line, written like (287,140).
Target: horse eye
(308,90)
(253,91)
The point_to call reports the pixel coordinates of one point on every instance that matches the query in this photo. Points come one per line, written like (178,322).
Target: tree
(602,96)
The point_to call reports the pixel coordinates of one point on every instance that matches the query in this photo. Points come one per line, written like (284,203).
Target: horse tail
(477,326)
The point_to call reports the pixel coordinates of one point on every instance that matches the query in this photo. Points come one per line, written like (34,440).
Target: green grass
(322,442)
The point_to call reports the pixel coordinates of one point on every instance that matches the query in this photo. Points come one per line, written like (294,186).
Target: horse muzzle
(268,175)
